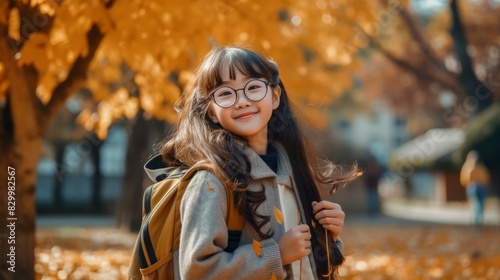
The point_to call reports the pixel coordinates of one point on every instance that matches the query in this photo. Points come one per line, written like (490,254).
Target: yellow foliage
(54,55)
(99,90)
(45,88)
(86,120)
(147,41)
(14,25)
(48,7)
(112,108)
(34,52)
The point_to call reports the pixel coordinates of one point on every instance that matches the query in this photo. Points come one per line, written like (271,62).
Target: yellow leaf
(45,87)
(257,248)
(273,277)
(313,223)
(210,188)
(131,108)
(278,215)
(14,25)
(86,120)
(34,52)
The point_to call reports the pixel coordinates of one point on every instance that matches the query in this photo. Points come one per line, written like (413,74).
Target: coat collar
(261,170)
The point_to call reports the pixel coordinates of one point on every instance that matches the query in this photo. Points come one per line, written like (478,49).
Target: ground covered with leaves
(420,251)
(374,250)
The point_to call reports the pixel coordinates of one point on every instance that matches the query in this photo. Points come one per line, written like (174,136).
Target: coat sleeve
(204,236)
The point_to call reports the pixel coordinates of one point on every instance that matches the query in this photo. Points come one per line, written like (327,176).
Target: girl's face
(246,118)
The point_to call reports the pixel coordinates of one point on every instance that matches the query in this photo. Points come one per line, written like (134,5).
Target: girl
(236,114)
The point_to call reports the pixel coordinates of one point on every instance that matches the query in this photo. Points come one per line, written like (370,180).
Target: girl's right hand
(295,244)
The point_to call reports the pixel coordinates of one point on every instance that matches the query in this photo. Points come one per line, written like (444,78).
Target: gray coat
(204,232)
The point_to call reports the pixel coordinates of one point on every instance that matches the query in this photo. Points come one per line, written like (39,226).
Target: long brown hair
(197,138)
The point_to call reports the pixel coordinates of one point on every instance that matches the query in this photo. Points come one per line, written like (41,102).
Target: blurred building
(432,161)
(379,132)
(75,172)
(368,136)
(426,162)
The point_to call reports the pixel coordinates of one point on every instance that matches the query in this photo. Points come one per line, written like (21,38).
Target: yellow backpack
(160,230)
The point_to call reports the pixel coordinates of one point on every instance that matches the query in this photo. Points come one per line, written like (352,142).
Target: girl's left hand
(330,216)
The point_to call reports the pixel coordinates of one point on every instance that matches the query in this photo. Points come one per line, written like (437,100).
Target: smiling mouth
(245,116)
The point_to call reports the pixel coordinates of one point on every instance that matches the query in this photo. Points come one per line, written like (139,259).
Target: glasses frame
(212,94)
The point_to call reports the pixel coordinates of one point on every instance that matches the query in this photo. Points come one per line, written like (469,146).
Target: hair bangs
(249,64)
(244,61)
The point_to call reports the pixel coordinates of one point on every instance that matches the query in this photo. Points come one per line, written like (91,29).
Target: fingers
(333,227)
(327,209)
(331,221)
(303,239)
(330,216)
(303,228)
(335,220)
(306,244)
(307,236)
(324,204)
(303,232)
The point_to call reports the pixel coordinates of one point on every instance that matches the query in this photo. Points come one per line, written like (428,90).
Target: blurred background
(405,88)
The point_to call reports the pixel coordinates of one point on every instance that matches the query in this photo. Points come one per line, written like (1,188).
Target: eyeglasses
(254,90)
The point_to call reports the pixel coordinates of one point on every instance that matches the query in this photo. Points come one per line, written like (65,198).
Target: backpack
(159,234)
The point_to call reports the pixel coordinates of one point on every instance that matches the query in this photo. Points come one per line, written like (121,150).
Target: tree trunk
(129,209)
(479,96)
(21,145)
(59,177)
(142,136)
(97,202)
(18,237)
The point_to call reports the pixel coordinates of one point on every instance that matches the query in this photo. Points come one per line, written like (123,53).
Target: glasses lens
(225,96)
(255,90)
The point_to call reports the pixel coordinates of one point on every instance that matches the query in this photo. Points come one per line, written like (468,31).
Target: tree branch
(446,80)
(76,77)
(421,73)
(460,43)
(419,38)
(31,21)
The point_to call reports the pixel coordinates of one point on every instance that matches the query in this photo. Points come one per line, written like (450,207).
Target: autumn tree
(435,68)
(49,49)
